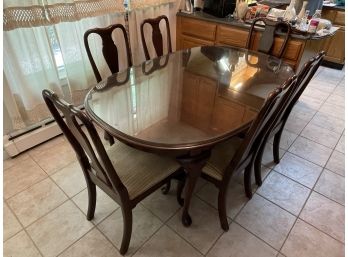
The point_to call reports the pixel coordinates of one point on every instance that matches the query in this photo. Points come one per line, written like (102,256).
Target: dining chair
(125,174)
(304,77)
(237,154)
(109,50)
(267,38)
(157,39)
(110,53)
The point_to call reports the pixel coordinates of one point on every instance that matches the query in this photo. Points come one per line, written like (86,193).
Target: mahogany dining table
(184,103)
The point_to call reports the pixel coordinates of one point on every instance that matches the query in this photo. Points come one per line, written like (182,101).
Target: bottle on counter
(303,23)
(290,11)
(314,22)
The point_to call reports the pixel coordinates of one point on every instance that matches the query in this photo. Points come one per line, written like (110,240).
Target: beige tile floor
(299,210)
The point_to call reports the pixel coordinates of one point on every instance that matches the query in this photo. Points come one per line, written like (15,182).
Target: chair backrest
(110,51)
(267,39)
(157,38)
(304,77)
(261,123)
(90,151)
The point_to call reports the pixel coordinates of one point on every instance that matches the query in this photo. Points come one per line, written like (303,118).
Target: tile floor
(299,210)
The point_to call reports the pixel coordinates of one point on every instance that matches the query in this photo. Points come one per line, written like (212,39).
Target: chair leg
(180,188)
(257,165)
(222,209)
(127,229)
(109,138)
(166,188)
(92,198)
(247,180)
(276,144)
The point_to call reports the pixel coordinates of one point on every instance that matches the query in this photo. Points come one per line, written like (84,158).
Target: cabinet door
(189,42)
(231,36)
(334,47)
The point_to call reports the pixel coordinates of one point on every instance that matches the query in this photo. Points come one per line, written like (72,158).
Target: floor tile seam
(335,172)
(328,197)
(297,218)
(219,237)
(215,240)
(186,240)
(330,114)
(319,125)
(265,198)
(209,204)
(44,215)
(75,241)
(158,217)
(331,148)
(258,237)
(168,226)
(293,180)
(107,216)
(322,101)
(14,158)
(307,159)
(37,182)
(26,188)
(308,223)
(25,231)
(65,200)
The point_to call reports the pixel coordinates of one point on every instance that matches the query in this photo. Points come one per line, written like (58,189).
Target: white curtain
(29,56)
(28,68)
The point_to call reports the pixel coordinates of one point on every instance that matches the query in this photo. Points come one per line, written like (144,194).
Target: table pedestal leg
(193,166)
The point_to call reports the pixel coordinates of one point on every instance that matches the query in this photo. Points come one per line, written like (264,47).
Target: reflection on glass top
(188,97)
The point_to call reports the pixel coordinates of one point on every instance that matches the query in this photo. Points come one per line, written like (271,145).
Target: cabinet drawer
(190,42)
(339,19)
(232,36)
(197,28)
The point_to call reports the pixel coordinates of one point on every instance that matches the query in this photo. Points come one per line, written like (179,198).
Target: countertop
(231,22)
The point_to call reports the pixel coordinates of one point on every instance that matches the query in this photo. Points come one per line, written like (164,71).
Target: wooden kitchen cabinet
(192,32)
(334,46)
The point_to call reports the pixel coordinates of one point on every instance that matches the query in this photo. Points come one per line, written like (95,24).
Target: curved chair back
(110,51)
(255,134)
(157,38)
(267,39)
(89,150)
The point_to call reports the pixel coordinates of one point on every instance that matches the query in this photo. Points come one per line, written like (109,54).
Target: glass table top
(187,98)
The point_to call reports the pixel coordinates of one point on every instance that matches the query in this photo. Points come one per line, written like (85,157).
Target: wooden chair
(157,38)
(237,154)
(267,39)
(110,53)
(305,75)
(125,174)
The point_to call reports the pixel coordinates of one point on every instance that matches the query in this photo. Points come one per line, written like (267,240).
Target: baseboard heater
(31,137)
(16,145)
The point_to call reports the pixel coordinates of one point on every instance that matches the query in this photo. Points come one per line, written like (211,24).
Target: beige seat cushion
(139,170)
(220,157)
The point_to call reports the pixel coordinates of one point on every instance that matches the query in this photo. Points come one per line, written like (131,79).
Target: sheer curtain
(43,48)
(29,66)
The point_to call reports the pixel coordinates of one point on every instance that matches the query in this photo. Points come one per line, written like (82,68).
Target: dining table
(184,103)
